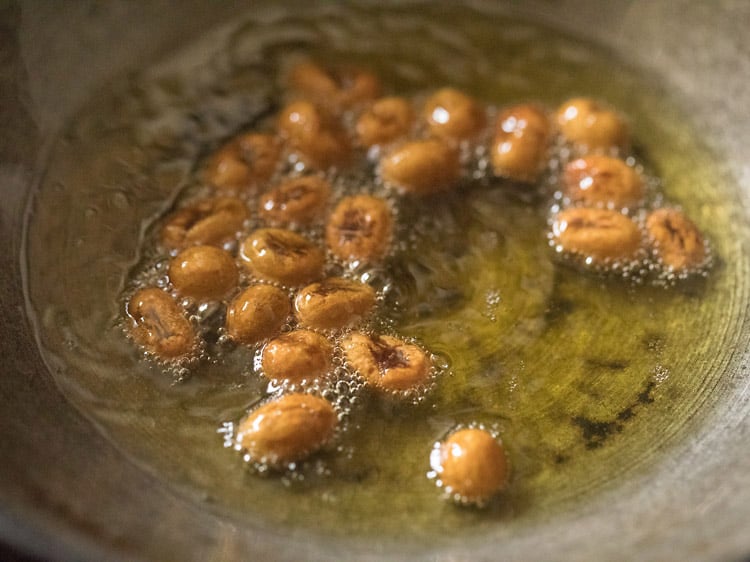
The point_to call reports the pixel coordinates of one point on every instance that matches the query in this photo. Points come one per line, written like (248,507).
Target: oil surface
(585,378)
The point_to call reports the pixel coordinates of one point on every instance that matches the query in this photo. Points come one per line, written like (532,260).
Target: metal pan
(67,493)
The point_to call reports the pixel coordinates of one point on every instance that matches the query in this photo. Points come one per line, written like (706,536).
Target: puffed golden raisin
(675,239)
(341,86)
(360,229)
(421,167)
(280,255)
(602,181)
(591,124)
(295,201)
(521,140)
(471,464)
(257,313)
(203,272)
(159,324)
(334,303)
(244,163)
(601,234)
(314,135)
(287,429)
(297,356)
(212,222)
(387,363)
(452,114)
(387,120)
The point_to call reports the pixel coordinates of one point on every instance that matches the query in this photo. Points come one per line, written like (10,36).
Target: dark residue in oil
(596,432)
(557,309)
(600,363)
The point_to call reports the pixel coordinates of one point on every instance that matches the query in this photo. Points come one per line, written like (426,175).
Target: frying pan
(68,493)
